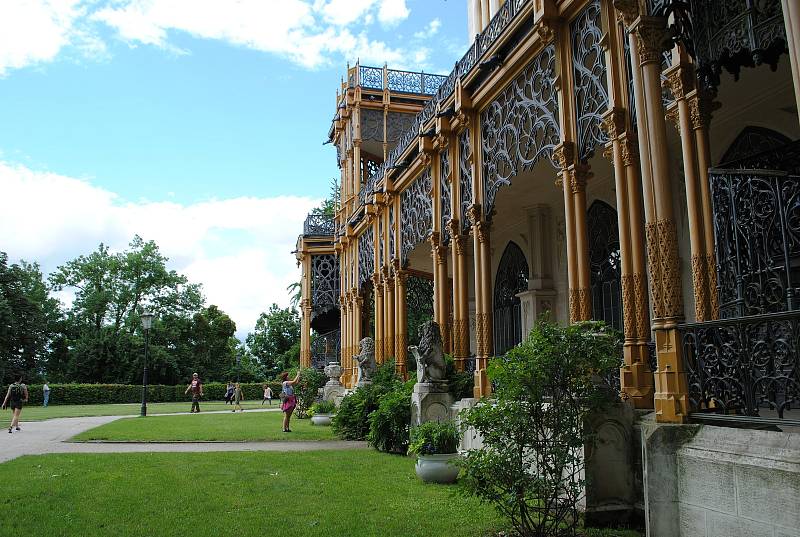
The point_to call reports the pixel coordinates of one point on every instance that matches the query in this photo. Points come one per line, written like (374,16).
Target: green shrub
(323,407)
(434,438)
(352,419)
(534,432)
(389,423)
(306,390)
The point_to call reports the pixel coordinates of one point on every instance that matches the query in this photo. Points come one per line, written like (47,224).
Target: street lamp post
(238,361)
(147,320)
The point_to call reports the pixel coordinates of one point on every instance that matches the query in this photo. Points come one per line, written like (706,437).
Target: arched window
(604,264)
(512,278)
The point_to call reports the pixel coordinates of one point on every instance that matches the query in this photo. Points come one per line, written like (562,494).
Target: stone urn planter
(436,446)
(437,468)
(321,419)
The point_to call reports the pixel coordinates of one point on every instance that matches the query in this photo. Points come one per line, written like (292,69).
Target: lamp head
(147,319)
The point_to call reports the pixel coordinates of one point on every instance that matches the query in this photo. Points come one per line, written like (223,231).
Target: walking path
(50,436)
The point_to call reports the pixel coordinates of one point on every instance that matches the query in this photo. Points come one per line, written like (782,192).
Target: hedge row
(92,394)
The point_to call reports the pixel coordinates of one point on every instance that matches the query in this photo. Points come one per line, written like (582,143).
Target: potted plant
(436,446)
(322,412)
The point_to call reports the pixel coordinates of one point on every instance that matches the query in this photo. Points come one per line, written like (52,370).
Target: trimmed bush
(389,423)
(94,394)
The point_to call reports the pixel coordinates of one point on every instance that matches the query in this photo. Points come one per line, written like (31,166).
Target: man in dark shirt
(196,388)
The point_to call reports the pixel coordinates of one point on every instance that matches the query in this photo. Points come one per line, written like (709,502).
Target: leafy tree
(531,464)
(29,320)
(330,205)
(275,341)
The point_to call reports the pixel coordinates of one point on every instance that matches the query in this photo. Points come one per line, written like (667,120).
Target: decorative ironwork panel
(392,250)
(397,124)
(605,271)
(757,239)
(589,69)
(431,83)
(366,256)
(465,177)
(512,278)
(419,304)
(319,225)
(324,282)
(325,348)
(751,142)
(445,194)
(735,34)
(371,77)
(521,126)
(371,124)
(416,213)
(667,98)
(744,366)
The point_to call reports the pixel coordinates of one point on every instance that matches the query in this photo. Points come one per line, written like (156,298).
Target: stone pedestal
(333,389)
(536,302)
(430,401)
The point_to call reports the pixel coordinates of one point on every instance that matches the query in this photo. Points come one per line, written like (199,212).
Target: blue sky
(198,124)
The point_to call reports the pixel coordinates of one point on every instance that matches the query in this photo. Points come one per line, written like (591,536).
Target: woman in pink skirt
(288,398)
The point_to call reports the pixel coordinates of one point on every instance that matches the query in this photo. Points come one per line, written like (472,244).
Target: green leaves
(275,341)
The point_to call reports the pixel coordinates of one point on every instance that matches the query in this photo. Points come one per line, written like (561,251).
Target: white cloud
(239,249)
(430,30)
(310,33)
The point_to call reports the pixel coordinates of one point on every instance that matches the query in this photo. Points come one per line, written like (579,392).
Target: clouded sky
(195,123)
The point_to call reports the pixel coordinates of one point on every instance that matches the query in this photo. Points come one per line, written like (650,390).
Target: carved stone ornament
(652,36)
(564,155)
(629,9)
(614,123)
(365,361)
(431,365)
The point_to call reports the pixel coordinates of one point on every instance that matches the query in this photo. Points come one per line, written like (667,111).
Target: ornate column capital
(629,10)
(653,38)
(460,244)
(701,107)
(679,79)
(452,227)
(578,176)
(630,151)
(613,122)
(564,155)
(482,230)
(474,214)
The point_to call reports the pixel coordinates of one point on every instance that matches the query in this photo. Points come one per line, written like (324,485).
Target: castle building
(632,161)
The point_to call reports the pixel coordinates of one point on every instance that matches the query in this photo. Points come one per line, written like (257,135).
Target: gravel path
(50,436)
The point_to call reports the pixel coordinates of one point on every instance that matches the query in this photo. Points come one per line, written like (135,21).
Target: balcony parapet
(319,225)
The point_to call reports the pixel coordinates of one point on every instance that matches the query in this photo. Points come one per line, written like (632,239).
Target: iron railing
(746,368)
(419,83)
(325,348)
(757,237)
(319,225)
(444,85)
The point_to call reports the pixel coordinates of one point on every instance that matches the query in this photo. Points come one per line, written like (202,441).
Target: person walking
(16,395)
(45,394)
(237,396)
(288,399)
(196,388)
(267,395)
(229,393)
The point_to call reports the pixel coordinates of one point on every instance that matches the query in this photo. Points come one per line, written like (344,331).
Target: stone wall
(708,481)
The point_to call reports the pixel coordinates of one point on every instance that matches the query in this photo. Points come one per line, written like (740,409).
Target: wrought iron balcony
(319,225)
(420,83)
(745,369)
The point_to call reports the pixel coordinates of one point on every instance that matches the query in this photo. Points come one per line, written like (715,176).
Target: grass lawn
(230,427)
(39,413)
(322,493)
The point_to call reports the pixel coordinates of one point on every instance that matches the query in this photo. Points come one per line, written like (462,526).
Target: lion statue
(431,366)
(365,361)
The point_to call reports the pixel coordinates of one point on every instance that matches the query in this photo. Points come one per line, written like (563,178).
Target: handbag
(283,397)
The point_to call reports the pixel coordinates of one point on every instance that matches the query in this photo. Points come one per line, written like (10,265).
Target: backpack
(16,391)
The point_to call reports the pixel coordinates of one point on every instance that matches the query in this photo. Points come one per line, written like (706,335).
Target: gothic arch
(752,141)
(604,264)
(512,278)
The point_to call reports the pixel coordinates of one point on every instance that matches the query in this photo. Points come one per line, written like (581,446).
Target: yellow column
(441,290)
(460,300)
(579,174)
(377,286)
(401,321)
(671,398)
(679,80)
(564,155)
(700,111)
(483,309)
(388,318)
(305,311)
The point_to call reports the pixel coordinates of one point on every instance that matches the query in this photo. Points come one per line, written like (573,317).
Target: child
(237,395)
(267,395)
